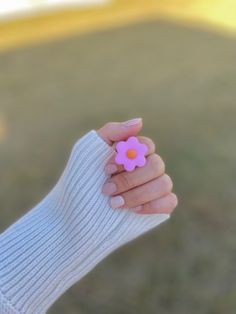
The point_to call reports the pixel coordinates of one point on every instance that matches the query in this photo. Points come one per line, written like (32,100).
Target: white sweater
(66,234)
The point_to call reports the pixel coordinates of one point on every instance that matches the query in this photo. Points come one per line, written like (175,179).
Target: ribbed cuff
(64,236)
(6,306)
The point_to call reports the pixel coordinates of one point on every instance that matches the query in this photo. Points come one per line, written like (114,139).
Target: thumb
(117,131)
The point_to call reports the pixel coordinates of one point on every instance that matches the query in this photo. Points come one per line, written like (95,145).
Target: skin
(146,190)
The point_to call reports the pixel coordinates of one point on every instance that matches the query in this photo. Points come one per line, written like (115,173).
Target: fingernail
(137,208)
(132,122)
(111,168)
(117,201)
(109,188)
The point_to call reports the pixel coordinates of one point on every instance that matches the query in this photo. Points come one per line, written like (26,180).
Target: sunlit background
(70,66)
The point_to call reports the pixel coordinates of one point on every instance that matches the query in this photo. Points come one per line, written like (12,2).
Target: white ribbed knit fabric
(66,234)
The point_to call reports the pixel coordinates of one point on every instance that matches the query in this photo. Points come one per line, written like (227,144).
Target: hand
(146,190)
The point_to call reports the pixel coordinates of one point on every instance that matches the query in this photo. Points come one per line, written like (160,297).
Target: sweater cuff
(6,306)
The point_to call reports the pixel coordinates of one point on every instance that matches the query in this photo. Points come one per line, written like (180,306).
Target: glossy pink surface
(130,163)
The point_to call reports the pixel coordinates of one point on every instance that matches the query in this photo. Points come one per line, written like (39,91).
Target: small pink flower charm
(131,153)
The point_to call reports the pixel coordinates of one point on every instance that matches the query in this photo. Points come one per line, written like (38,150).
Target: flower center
(131,153)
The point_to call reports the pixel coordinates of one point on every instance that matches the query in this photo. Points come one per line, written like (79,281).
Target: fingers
(145,190)
(125,181)
(163,205)
(117,131)
(144,193)
(111,167)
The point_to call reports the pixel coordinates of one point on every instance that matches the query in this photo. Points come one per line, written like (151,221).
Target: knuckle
(124,181)
(134,198)
(157,164)
(151,145)
(167,182)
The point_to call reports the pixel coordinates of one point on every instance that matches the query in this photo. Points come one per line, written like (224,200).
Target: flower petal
(132,140)
(120,159)
(142,149)
(141,161)
(121,146)
(129,165)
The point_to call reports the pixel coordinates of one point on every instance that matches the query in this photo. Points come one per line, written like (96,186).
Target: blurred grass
(181,80)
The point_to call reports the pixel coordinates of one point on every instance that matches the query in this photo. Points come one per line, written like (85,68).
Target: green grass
(182,82)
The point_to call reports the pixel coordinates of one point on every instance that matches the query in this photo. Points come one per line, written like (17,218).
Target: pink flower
(131,153)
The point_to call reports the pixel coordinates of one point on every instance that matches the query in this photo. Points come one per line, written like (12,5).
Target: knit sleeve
(66,234)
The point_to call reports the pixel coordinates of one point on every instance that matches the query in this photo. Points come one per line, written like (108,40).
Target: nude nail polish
(117,201)
(132,122)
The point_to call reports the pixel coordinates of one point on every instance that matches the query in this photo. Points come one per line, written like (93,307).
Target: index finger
(111,166)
